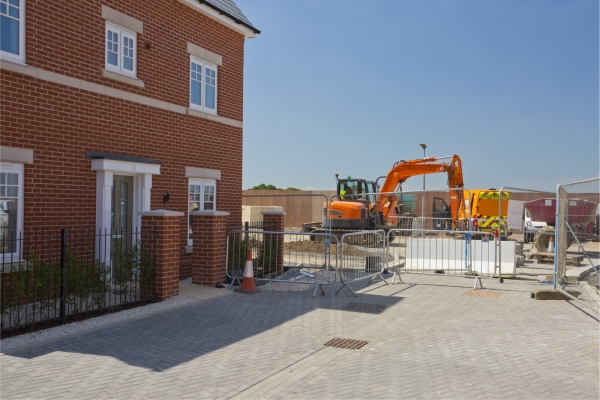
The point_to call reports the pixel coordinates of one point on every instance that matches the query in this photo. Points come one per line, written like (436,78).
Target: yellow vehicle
(480,208)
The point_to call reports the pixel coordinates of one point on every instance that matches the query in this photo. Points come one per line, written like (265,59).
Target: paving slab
(430,341)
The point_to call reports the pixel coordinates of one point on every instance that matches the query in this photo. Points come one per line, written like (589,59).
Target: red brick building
(113,107)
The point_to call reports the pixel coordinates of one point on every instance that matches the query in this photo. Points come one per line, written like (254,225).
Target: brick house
(114,107)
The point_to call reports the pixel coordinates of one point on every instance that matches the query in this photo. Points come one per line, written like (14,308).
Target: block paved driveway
(431,341)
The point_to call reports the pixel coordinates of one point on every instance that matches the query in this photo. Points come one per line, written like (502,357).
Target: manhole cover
(346,343)
(365,308)
(479,293)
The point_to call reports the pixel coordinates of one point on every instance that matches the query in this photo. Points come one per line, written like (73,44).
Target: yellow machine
(482,209)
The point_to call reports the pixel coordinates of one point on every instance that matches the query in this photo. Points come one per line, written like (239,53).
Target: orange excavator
(362,207)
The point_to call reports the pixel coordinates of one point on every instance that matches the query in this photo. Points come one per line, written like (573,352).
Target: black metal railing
(52,276)
(245,226)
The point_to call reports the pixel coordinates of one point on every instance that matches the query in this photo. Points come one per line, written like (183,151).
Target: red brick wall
(68,38)
(61,123)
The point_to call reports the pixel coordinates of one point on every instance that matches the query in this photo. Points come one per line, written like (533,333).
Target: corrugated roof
(229,8)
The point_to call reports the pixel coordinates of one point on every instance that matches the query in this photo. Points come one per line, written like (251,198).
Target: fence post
(63,275)
(209,230)
(167,227)
(246,228)
(274,221)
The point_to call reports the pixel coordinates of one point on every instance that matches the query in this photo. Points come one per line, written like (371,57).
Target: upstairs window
(12,30)
(203,86)
(120,50)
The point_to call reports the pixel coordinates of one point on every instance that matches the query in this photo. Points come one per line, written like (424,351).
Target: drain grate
(346,343)
(365,308)
(480,293)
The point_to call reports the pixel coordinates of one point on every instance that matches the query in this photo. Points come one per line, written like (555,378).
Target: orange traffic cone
(248,281)
(551,245)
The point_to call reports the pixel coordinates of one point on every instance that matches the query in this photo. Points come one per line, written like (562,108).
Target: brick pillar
(274,221)
(209,252)
(166,246)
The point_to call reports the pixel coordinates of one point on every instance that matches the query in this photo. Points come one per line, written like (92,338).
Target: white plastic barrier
(458,256)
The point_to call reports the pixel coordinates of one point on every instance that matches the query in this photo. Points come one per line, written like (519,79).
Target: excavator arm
(403,170)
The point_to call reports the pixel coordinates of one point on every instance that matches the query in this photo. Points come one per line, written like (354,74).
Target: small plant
(268,252)
(31,292)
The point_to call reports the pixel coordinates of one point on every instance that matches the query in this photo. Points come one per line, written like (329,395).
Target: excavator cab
(442,218)
(358,190)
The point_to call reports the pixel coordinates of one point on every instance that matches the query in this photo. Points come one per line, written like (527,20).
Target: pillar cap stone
(210,213)
(160,213)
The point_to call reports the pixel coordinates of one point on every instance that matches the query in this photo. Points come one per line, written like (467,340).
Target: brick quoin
(61,123)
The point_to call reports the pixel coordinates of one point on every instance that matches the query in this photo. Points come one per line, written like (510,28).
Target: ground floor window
(11,208)
(202,196)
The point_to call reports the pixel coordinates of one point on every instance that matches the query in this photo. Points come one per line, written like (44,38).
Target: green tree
(262,186)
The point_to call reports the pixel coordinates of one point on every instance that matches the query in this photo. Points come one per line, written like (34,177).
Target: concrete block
(519,248)
(545,294)
(520,260)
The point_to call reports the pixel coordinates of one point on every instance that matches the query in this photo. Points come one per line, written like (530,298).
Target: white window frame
(21,56)
(123,33)
(202,183)
(204,64)
(18,169)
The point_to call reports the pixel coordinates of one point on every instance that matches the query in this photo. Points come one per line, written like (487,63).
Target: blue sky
(351,87)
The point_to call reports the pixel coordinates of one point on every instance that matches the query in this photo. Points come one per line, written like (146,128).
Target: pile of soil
(318,248)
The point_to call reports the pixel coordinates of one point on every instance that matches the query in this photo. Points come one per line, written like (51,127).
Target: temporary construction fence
(284,257)
(426,235)
(61,274)
(578,241)
(362,255)
(455,253)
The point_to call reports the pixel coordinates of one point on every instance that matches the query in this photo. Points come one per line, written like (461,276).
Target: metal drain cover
(480,293)
(346,343)
(365,308)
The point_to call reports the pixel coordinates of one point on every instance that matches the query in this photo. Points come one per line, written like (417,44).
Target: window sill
(189,249)
(4,58)
(115,76)
(214,117)
(16,66)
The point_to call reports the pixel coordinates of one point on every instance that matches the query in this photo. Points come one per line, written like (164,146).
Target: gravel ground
(92,323)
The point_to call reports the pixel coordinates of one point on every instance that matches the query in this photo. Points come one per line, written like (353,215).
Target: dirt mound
(319,248)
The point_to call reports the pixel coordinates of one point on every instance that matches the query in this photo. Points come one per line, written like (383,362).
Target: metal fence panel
(578,242)
(283,257)
(61,274)
(450,253)
(362,255)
